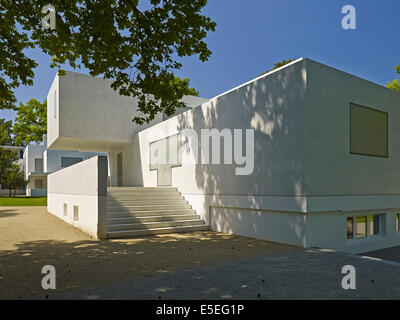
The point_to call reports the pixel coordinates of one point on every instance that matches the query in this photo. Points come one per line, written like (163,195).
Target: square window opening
(76,213)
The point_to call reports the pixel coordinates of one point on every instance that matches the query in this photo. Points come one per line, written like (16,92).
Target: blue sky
(252,35)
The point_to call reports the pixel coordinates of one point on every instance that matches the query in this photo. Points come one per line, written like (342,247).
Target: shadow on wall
(274,106)
(89,263)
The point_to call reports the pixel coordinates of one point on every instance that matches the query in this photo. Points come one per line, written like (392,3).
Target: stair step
(154,225)
(149,196)
(145,232)
(113,189)
(124,220)
(142,191)
(152,207)
(151,213)
(115,203)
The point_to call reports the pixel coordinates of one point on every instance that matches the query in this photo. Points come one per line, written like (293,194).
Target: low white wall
(6,192)
(281,227)
(83,185)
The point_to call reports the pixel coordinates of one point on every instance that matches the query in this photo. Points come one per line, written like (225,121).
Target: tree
(394,85)
(279,64)
(136,46)
(14,178)
(5,132)
(7,157)
(30,124)
(7,161)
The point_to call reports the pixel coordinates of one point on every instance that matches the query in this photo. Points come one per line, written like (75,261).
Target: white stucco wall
(305,181)
(92,116)
(52,158)
(274,107)
(31,153)
(82,185)
(331,169)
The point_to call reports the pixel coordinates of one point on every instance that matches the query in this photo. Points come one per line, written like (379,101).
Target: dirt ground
(31,238)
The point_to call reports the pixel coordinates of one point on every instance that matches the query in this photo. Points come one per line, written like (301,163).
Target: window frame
(66,157)
(387,131)
(368,236)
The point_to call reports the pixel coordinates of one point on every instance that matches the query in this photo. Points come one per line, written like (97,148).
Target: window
(374,225)
(361,227)
(350,228)
(69,161)
(21,154)
(38,184)
(65,210)
(38,165)
(366,226)
(76,213)
(368,131)
(397,222)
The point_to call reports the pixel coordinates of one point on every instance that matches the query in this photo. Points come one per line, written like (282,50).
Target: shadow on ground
(4,213)
(391,254)
(83,264)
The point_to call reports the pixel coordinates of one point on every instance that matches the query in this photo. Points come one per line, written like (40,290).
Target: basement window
(367,226)
(374,225)
(349,227)
(76,213)
(361,227)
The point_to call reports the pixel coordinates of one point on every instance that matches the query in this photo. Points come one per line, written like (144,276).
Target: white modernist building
(306,155)
(38,162)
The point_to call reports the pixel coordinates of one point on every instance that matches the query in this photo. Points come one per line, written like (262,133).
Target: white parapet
(78,196)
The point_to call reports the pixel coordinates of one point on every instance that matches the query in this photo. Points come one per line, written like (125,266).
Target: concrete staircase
(135,211)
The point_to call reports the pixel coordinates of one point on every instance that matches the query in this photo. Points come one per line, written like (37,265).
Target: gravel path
(31,238)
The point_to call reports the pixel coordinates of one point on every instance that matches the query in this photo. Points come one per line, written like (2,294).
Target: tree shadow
(89,263)
(4,213)
(274,107)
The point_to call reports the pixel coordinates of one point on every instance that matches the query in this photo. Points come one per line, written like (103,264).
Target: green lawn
(22,201)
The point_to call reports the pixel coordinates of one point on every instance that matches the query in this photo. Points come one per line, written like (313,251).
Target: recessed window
(350,228)
(69,161)
(366,226)
(368,131)
(38,184)
(38,165)
(76,213)
(374,225)
(65,210)
(361,227)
